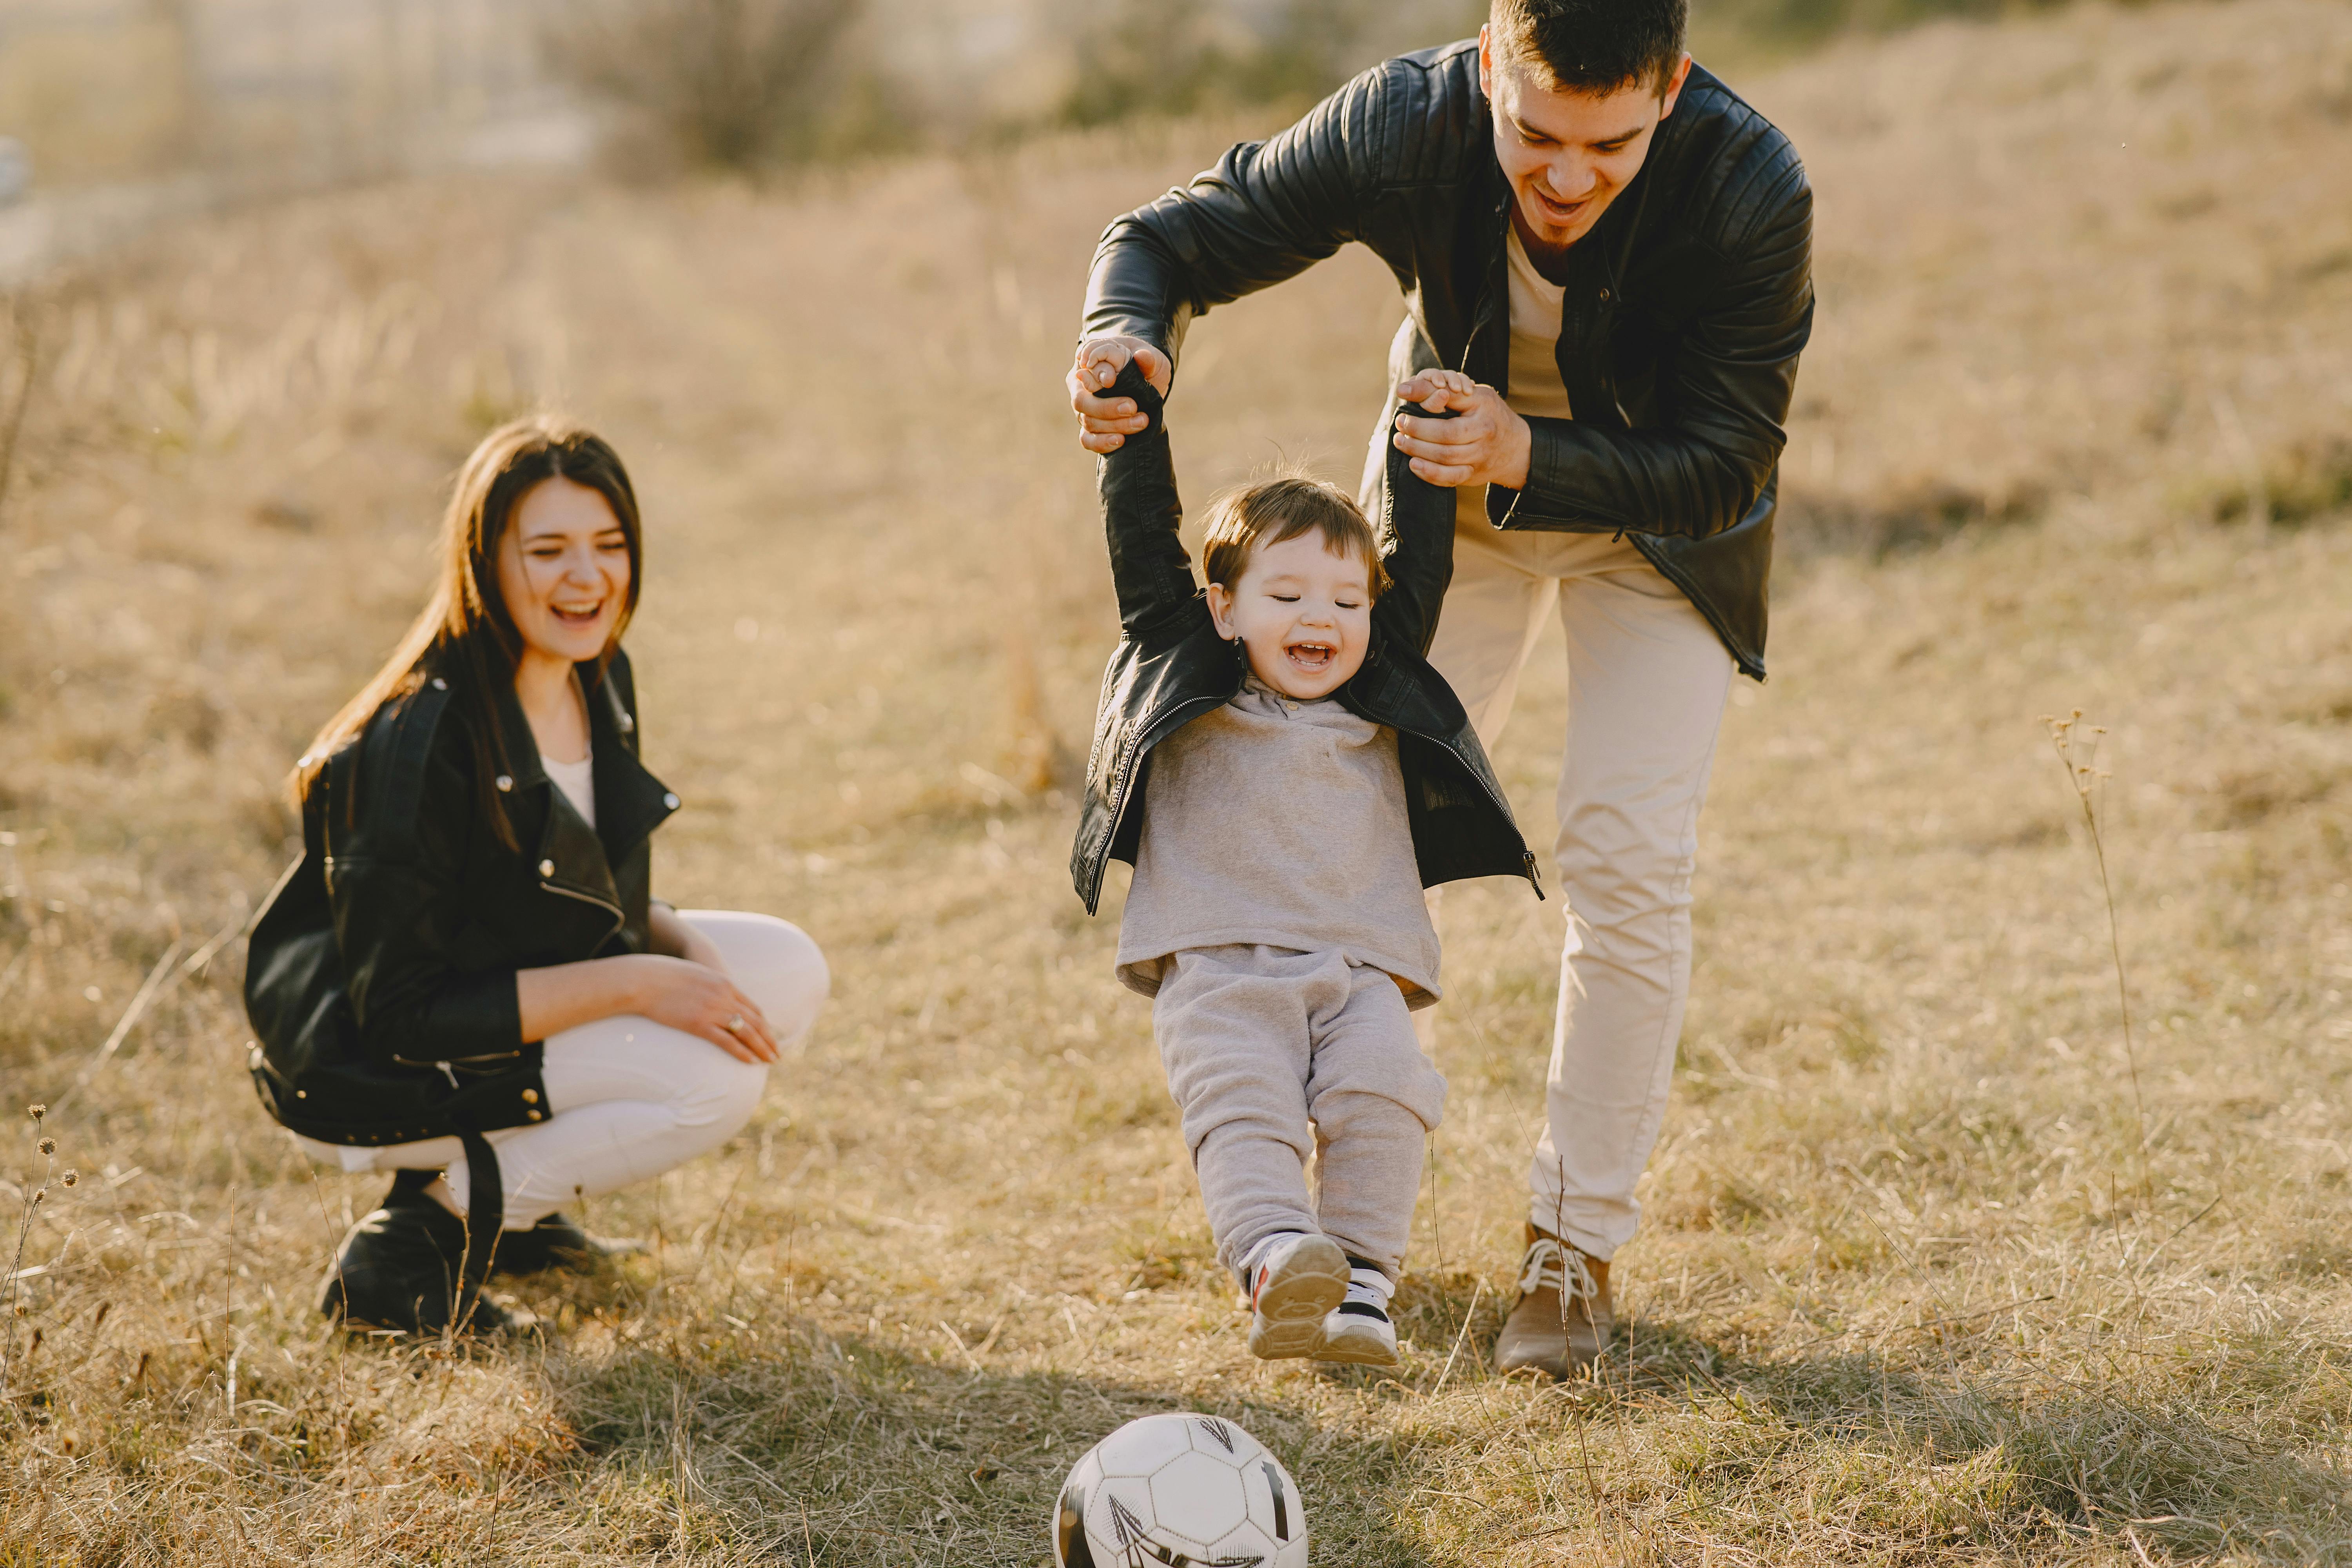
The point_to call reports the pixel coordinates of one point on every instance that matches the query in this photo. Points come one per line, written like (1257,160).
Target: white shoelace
(1549,1263)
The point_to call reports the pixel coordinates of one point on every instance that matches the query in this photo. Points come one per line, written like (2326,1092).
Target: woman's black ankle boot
(556,1242)
(399,1267)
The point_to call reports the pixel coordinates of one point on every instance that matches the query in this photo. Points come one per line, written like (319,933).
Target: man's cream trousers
(1646,682)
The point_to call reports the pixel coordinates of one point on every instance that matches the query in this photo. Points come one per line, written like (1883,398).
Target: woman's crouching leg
(772,962)
(630,1098)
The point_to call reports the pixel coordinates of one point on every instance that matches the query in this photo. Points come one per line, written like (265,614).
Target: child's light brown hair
(1278,509)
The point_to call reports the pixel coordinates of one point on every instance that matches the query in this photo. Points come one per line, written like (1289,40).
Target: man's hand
(1105,423)
(1485,444)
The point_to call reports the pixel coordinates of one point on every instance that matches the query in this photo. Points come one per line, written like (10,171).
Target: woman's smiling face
(563,569)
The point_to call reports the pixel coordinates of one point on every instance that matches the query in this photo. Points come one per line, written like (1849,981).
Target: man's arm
(1268,211)
(1733,373)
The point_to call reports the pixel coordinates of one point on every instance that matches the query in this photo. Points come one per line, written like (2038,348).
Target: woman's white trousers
(629,1098)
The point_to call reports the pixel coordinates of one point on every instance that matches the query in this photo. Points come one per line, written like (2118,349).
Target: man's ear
(1672,90)
(1487,60)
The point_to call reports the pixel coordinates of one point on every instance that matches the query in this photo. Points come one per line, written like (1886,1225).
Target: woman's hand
(699,999)
(1486,443)
(686,992)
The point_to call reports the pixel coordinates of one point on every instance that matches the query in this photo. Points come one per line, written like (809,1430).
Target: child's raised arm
(1417,523)
(1141,516)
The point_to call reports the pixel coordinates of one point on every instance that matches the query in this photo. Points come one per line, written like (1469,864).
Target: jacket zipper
(619,920)
(446,1070)
(445,1067)
(1527,857)
(1125,790)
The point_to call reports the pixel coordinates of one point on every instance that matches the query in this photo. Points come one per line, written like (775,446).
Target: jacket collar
(1390,689)
(630,801)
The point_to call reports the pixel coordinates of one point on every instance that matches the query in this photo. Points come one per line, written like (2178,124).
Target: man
(1618,248)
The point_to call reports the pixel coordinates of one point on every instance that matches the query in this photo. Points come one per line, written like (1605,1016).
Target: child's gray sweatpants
(1259,1042)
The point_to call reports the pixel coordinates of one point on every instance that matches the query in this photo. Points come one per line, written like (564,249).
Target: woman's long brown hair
(466,633)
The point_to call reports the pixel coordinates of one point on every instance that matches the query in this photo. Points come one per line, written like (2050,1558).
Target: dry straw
(2077,745)
(1878,1310)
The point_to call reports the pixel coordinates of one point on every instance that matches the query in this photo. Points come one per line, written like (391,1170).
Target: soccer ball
(1179,1491)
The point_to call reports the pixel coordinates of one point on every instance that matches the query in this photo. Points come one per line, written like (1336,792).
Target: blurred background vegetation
(1917,1286)
(307,91)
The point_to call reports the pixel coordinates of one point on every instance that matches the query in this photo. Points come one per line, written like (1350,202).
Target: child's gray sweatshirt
(1277,823)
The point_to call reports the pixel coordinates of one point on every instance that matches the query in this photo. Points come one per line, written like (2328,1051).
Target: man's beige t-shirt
(1537,391)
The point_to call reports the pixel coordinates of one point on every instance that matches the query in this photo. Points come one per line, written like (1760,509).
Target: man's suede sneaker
(1295,1282)
(1563,1320)
(556,1242)
(398,1269)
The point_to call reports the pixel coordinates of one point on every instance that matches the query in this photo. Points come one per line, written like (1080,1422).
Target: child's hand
(1104,422)
(1438,390)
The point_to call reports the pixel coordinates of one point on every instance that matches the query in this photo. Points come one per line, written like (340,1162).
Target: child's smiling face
(1304,612)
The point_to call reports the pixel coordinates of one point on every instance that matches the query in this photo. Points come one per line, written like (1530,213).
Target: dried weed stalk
(32,1201)
(2079,757)
(1996,1393)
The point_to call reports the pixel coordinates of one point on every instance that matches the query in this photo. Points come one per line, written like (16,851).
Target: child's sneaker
(1358,1330)
(1294,1281)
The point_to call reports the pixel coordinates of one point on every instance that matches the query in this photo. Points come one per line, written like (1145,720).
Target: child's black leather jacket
(1171,667)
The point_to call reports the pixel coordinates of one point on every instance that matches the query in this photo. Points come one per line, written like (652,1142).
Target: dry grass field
(1934,1271)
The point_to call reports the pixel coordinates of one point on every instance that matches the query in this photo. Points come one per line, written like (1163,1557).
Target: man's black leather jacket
(380,979)
(1685,308)
(1171,667)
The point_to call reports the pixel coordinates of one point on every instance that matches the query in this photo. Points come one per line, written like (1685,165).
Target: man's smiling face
(1567,155)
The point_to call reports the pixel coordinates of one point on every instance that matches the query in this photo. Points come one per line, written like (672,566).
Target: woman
(464,980)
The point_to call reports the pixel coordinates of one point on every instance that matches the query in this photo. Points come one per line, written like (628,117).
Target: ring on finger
(735,1025)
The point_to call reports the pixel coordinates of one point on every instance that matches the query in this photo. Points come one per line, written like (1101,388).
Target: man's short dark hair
(1592,45)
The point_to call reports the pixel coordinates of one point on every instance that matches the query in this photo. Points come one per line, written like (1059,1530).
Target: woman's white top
(577,780)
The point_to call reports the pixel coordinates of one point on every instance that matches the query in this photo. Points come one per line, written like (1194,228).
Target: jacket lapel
(572,856)
(630,802)
(568,857)
(1486,354)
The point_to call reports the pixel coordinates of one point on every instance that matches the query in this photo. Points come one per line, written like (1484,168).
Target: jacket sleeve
(1158,600)
(1268,211)
(1417,537)
(399,918)
(1733,373)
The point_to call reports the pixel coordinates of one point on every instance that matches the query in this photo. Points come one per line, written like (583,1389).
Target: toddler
(1285,771)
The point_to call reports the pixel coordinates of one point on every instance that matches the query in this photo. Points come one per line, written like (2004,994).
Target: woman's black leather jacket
(1684,311)
(381,979)
(1171,667)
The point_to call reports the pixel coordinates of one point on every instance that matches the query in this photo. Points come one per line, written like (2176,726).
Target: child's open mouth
(1312,657)
(578,614)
